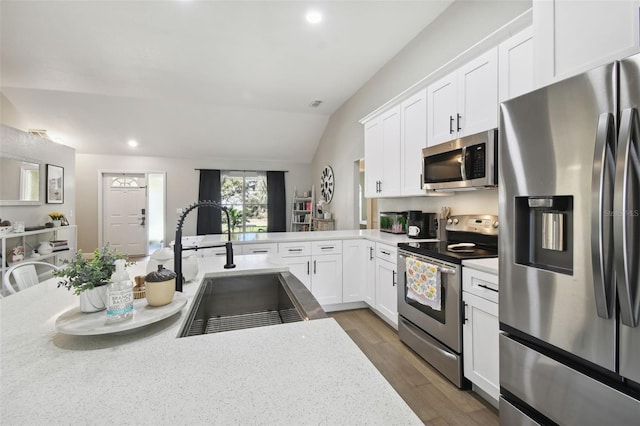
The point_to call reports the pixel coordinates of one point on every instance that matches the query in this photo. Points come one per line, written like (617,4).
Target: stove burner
(462,247)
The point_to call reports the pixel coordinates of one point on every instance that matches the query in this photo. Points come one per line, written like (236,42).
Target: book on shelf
(59,245)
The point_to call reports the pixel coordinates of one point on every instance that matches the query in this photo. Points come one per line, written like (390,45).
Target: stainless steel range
(430,291)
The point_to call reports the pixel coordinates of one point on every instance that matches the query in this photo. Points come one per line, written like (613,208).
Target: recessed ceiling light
(132,143)
(314,17)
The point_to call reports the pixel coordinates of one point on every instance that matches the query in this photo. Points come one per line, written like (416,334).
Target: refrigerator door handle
(627,186)
(602,189)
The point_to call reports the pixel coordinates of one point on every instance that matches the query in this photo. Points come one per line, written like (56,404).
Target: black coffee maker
(421,225)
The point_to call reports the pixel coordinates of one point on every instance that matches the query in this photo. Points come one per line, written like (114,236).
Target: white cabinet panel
(370,274)
(294,249)
(515,65)
(386,290)
(464,102)
(572,36)
(326,281)
(413,136)
(353,270)
(382,154)
(261,248)
(300,267)
(373,157)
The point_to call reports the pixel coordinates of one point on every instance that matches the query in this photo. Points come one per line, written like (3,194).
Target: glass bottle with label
(119,294)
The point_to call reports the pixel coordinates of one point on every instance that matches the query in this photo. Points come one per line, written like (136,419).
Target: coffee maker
(421,225)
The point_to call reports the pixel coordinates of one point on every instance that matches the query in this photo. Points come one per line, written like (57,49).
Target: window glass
(245,195)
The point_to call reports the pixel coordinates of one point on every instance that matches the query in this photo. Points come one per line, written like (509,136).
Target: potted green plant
(88,277)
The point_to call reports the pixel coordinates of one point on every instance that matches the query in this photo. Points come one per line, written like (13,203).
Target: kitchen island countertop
(298,373)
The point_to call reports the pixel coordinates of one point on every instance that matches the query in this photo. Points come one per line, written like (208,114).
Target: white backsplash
(474,202)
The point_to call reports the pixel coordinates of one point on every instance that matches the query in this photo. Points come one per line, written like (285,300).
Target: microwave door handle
(627,185)
(463,170)
(602,189)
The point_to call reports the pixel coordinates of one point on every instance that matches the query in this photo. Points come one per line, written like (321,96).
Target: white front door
(124,207)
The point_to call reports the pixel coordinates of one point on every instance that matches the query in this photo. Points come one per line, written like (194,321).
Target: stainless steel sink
(236,302)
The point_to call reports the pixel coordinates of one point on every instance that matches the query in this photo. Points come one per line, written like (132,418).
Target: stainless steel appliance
(421,225)
(433,327)
(570,253)
(462,164)
(393,222)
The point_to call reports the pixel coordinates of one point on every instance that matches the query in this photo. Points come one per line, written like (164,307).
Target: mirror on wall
(19,181)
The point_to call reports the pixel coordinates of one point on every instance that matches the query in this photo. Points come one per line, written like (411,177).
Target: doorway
(132,211)
(366,209)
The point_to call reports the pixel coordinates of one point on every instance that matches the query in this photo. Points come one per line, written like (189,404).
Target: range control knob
(455,221)
(495,224)
(449,221)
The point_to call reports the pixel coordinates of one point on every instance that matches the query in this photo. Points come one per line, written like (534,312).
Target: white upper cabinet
(382,154)
(464,102)
(413,137)
(572,36)
(515,65)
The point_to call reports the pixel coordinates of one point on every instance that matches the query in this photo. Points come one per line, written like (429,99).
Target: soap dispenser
(119,294)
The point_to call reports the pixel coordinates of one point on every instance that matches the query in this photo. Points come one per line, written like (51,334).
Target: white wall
(462,25)
(181,186)
(26,145)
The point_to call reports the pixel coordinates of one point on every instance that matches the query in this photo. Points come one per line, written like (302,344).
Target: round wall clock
(326,183)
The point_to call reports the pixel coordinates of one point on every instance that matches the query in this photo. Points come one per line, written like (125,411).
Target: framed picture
(55,184)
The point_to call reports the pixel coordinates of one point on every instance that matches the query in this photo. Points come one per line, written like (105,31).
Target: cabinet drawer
(216,251)
(386,252)
(480,284)
(294,249)
(326,247)
(265,248)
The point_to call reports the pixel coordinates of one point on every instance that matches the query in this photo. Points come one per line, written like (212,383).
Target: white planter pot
(57,223)
(94,300)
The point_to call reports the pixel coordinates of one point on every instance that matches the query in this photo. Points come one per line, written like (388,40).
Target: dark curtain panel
(209,219)
(276,202)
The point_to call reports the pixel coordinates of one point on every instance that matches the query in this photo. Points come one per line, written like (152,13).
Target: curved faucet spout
(177,247)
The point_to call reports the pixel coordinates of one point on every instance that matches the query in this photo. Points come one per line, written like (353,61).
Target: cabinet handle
(464,306)
(295,250)
(314,267)
(451,124)
(385,252)
(260,251)
(458,117)
(394,278)
(327,248)
(370,253)
(487,287)
(308,266)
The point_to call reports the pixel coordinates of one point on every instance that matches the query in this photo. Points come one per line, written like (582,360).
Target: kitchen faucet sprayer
(177,247)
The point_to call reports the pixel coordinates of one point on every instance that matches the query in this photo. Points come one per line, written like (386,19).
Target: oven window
(444,167)
(437,315)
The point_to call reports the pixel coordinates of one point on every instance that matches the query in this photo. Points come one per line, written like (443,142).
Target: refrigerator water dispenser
(544,232)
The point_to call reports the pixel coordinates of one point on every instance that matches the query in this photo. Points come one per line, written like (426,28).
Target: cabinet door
(515,65)
(478,94)
(263,248)
(390,121)
(353,270)
(370,274)
(441,110)
(300,267)
(386,289)
(373,159)
(480,338)
(326,281)
(413,138)
(573,36)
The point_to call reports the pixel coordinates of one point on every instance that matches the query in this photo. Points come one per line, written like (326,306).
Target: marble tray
(78,323)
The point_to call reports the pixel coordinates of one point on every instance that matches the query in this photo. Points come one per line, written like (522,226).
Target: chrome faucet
(177,247)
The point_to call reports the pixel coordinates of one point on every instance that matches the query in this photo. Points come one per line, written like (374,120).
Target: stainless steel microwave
(467,163)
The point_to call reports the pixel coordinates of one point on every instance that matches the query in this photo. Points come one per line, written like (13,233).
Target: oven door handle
(444,270)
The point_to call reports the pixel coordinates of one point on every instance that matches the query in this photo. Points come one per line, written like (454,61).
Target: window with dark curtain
(209,219)
(276,202)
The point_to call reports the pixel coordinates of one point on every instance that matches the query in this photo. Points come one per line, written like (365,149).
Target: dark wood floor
(432,397)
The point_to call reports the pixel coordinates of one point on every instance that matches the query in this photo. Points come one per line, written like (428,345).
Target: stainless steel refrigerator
(569,193)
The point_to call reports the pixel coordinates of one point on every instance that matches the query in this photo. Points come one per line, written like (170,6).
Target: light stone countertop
(299,373)
(285,237)
(489,266)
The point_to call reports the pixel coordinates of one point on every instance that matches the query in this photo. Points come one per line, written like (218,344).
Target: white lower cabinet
(318,265)
(353,265)
(386,282)
(260,248)
(370,274)
(480,331)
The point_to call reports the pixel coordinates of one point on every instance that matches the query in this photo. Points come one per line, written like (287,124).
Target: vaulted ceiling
(225,79)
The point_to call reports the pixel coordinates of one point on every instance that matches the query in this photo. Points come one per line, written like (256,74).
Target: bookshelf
(302,210)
